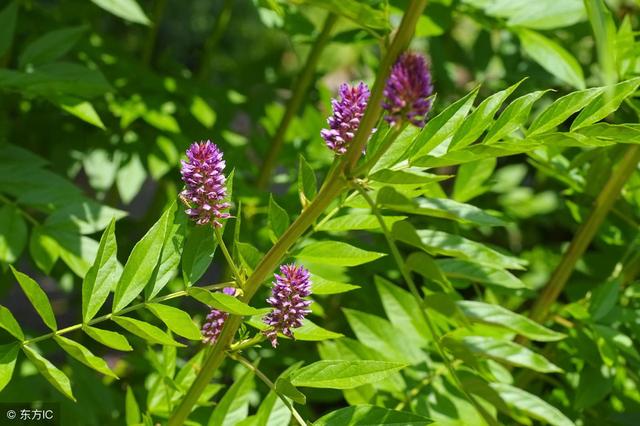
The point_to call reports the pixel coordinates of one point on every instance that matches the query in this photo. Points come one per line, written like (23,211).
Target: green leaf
(501,350)
(603,299)
(552,57)
(85,217)
(108,338)
(284,386)
(480,119)
(475,272)
(141,263)
(359,221)
(56,377)
(43,248)
(379,334)
(606,103)
(148,332)
(360,13)
(9,323)
(471,178)
(199,248)
(531,405)
(402,310)
(336,253)
(223,302)
(131,408)
(441,243)
(444,208)
(406,177)
(8,18)
(513,116)
(497,315)
(83,355)
(442,126)
(541,14)
(176,320)
(278,218)
(307,182)
(604,31)
(361,415)
(130,178)
(102,276)
(202,112)
(310,332)
(37,297)
(426,266)
(249,256)
(594,385)
(8,357)
(13,233)
(126,9)
(79,108)
(50,46)
(322,286)
(562,109)
(234,405)
(343,374)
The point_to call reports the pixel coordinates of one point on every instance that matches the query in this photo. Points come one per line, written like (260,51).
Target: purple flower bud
(214,322)
(408,90)
(205,184)
(287,298)
(347,112)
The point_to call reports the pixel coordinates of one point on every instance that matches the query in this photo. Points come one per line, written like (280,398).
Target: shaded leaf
(361,415)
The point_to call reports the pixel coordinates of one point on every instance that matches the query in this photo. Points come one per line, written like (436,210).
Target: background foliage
(536,105)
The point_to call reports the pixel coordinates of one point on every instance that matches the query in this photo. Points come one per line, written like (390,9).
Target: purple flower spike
(287,298)
(347,112)
(408,90)
(212,326)
(205,184)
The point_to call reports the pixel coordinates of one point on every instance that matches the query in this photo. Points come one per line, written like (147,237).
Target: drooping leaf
(343,374)
(55,376)
(9,323)
(125,9)
(37,297)
(336,253)
(176,320)
(83,355)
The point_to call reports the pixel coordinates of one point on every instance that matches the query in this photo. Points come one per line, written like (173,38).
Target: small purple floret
(205,185)
(214,322)
(347,113)
(288,300)
(408,90)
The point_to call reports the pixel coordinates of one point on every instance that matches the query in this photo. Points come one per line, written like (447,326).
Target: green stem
(299,91)
(219,27)
(585,233)
(158,11)
(333,186)
(389,138)
(135,307)
(244,344)
(271,386)
(227,256)
(425,315)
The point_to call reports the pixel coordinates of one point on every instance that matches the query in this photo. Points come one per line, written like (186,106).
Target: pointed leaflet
(443,126)
(141,263)
(50,46)
(512,117)
(307,182)
(131,408)
(343,374)
(494,314)
(125,9)
(234,405)
(278,219)
(320,285)
(336,253)
(606,103)
(56,377)
(108,338)
(37,297)
(83,355)
(9,323)
(402,310)
(475,272)
(471,179)
(352,222)
(8,357)
(13,234)
(223,302)
(531,405)
(102,276)
(562,109)
(480,119)
(370,415)
(148,332)
(176,320)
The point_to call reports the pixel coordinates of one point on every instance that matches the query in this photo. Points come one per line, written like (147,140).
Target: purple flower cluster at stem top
(288,300)
(347,112)
(408,90)
(205,184)
(214,322)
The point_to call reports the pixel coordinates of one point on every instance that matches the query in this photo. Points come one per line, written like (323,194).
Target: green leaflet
(370,415)
(234,405)
(223,302)
(146,331)
(108,338)
(83,355)
(56,377)
(176,320)
(9,323)
(278,219)
(336,253)
(38,298)
(126,9)
(531,404)
(343,374)
(8,357)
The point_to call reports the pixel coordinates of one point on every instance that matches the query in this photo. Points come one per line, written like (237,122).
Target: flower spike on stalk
(408,91)
(347,112)
(214,322)
(205,185)
(290,307)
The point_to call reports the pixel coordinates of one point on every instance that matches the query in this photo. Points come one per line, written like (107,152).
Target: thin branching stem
(227,256)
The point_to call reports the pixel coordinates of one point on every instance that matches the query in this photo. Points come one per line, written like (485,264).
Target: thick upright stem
(299,91)
(333,186)
(602,205)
